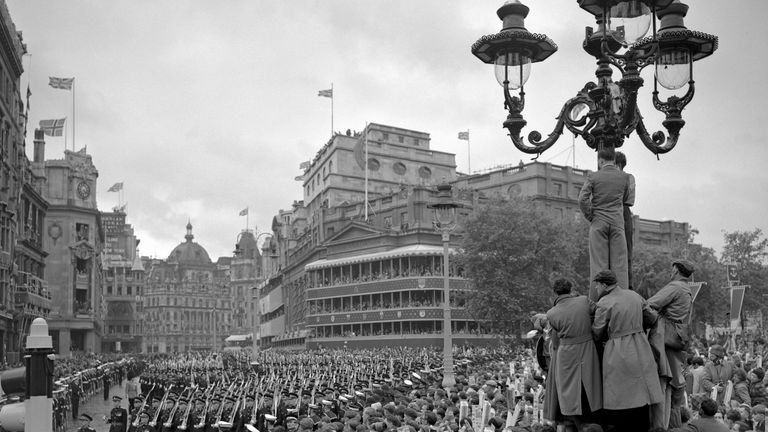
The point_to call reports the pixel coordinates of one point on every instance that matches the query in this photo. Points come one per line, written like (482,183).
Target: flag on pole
(61,83)
(326,93)
(737,300)
(53,127)
(304,165)
(117,187)
(695,288)
(464,135)
(244,212)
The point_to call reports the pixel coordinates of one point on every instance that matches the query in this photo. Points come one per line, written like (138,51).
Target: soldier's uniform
(118,417)
(86,426)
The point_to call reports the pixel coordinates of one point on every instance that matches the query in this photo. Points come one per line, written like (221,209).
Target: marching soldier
(118,416)
(144,423)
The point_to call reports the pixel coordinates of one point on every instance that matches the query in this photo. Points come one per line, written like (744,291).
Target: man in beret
(717,371)
(576,366)
(669,339)
(602,199)
(630,381)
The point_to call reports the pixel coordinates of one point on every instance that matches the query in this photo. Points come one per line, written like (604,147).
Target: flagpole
(73,114)
(66,129)
(332,110)
(247,216)
(469,153)
(365,138)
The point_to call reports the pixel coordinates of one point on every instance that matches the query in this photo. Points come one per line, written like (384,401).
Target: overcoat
(630,379)
(577,362)
(673,304)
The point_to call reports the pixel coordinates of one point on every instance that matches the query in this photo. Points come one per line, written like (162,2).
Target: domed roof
(189,252)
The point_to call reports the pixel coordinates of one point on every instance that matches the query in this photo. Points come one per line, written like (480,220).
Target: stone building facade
(186,307)
(13,176)
(73,239)
(123,285)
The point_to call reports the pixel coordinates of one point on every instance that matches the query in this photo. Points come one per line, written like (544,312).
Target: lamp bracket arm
(658,143)
(537,145)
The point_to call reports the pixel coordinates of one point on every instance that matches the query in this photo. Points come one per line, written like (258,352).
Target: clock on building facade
(83,190)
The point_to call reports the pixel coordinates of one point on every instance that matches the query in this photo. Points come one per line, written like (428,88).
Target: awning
(238,338)
(406,251)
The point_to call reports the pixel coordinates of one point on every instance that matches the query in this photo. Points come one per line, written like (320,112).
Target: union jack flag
(61,83)
(53,127)
(326,93)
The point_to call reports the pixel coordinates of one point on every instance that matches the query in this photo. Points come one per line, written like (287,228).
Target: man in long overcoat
(668,339)
(602,199)
(577,366)
(630,381)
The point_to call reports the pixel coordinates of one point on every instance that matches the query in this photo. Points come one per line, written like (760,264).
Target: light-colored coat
(630,379)
(673,304)
(577,362)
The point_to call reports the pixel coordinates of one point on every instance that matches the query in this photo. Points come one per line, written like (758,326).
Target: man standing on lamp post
(621,162)
(602,199)
(669,339)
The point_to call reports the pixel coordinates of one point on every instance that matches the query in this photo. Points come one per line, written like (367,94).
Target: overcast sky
(205,108)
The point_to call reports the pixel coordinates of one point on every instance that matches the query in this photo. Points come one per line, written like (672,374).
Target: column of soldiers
(285,390)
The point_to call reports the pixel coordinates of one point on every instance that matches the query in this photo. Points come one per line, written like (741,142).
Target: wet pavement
(97,408)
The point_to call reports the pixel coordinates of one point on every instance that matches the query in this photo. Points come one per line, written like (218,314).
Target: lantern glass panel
(512,67)
(673,68)
(629,21)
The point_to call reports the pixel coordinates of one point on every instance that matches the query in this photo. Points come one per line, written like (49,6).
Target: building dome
(189,252)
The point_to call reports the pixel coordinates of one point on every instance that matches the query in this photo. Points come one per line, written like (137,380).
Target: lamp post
(604,112)
(444,223)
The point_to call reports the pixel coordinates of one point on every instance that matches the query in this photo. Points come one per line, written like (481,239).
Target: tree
(749,251)
(652,270)
(512,250)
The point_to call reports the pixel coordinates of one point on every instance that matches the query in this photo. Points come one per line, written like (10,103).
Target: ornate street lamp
(604,112)
(444,223)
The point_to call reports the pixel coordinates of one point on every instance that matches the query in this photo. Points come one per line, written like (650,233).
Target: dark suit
(602,199)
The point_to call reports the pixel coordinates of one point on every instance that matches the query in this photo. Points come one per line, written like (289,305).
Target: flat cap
(686,267)
(607,277)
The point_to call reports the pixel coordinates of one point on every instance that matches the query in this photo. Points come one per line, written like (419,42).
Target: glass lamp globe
(629,21)
(512,67)
(673,68)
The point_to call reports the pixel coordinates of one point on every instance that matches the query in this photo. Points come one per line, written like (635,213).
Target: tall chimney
(39,155)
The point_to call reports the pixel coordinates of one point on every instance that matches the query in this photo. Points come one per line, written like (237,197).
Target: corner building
(185,307)
(73,240)
(356,273)
(123,285)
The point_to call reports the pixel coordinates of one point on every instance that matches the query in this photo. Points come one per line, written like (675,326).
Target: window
(385,136)
(373,164)
(129,290)
(399,168)
(109,290)
(425,172)
(401,139)
(119,290)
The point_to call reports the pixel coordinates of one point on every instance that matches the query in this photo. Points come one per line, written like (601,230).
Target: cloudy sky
(205,108)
